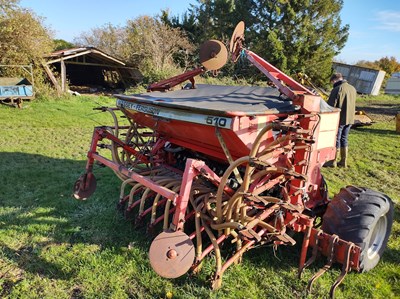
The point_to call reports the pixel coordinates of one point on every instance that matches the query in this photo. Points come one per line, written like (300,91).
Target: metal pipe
(222,184)
(218,259)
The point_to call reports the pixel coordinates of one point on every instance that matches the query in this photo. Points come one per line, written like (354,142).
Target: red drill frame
(294,159)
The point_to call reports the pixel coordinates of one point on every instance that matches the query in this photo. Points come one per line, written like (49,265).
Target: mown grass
(52,246)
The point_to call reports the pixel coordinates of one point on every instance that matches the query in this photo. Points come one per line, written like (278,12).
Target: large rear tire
(364,217)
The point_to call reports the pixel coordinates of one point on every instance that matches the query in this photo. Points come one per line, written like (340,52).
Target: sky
(374,24)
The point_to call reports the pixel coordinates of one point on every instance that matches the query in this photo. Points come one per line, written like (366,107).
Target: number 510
(216,121)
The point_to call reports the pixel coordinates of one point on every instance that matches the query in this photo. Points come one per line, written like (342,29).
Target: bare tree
(145,42)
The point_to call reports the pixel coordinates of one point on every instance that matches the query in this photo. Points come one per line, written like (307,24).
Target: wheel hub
(377,237)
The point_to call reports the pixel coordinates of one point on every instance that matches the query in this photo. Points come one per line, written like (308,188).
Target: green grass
(52,246)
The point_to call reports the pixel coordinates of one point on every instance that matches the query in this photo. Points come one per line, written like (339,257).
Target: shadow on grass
(28,258)
(36,206)
(380,108)
(371,130)
(36,203)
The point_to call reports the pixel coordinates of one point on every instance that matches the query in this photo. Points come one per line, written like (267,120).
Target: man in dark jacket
(343,96)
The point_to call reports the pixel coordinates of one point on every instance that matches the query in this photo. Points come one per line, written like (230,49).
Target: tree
(23,40)
(212,19)
(301,35)
(388,64)
(108,38)
(60,44)
(155,42)
(146,42)
(368,64)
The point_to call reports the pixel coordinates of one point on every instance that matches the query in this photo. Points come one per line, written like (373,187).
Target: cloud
(389,20)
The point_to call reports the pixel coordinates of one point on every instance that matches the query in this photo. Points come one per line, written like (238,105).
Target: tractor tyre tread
(353,214)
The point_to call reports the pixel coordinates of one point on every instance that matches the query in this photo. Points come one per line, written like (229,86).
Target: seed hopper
(241,165)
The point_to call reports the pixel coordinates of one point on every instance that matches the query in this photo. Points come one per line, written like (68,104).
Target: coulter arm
(167,84)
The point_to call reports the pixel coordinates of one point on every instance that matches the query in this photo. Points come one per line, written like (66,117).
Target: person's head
(336,77)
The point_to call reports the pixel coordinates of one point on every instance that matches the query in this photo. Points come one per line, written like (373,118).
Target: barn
(88,68)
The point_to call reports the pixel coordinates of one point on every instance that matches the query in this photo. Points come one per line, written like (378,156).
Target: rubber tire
(353,215)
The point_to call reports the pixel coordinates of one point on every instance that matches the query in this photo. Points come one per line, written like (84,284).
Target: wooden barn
(89,68)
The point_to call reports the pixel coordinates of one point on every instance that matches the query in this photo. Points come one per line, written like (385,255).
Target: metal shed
(88,66)
(365,80)
(393,84)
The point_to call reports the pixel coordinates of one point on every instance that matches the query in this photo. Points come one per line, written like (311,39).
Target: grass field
(52,246)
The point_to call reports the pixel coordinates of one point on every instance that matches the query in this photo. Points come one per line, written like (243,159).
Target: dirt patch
(379,111)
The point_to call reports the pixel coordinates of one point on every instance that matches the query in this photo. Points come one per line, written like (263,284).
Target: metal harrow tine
(331,249)
(345,269)
(314,253)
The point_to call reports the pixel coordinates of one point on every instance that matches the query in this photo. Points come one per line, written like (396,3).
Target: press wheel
(171,254)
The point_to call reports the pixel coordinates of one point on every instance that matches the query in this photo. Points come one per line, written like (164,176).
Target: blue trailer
(14,90)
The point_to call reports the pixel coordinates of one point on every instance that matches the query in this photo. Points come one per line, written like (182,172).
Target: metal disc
(85,186)
(236,40)
(171,254)
(213,55)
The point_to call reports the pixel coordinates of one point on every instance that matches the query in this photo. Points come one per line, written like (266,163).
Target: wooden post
(63,76)
(52,78)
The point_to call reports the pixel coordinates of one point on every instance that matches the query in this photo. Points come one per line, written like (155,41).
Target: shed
(393,84)
(88,66)
(365,80)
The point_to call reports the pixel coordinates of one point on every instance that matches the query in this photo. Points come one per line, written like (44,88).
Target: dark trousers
(342,136)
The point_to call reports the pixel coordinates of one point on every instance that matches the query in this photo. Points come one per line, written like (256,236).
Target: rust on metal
(171,254)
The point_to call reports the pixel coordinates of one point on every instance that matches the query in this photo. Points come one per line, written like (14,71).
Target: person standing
(343,96)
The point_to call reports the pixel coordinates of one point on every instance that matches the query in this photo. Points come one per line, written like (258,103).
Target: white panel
(209,120)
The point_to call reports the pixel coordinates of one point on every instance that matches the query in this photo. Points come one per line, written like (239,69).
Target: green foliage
(368,64)
(301,36)
(296,36)
(388,64)
(108,38)
(23,41)
(60,44)
(144,42)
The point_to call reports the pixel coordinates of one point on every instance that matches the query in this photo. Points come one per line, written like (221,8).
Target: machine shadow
(36,199)
(378,132)
(381,108)
(36,204)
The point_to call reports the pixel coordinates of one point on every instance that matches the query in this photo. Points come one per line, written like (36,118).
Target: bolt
(171,254)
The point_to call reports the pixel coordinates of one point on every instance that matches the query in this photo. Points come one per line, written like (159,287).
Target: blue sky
(374,29)
(374,24)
